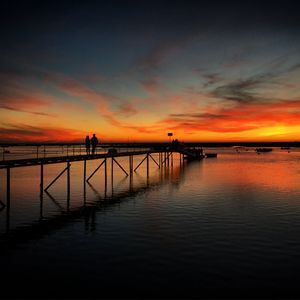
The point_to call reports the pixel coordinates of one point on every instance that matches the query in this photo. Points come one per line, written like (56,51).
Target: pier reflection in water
(106,190)
(217,227)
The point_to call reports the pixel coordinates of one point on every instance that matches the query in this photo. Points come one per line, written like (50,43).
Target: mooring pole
(172,159)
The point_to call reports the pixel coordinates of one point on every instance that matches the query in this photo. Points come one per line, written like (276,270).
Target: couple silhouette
(88,142)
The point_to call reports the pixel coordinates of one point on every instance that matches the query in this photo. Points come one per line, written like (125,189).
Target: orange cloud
(26,133)
(241,118)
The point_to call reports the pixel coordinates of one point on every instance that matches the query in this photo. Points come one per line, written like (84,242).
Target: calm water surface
(226,226)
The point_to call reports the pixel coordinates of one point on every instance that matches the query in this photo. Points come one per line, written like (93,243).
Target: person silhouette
(94,142)
(88,145)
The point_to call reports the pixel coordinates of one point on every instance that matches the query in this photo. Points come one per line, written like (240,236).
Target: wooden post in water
(112,175)
(105,178)
(8,187)
(147,165)
(105,173)
(7,198)
(84,181)
(42,180)
(84,170)
(130,172)
(130,166)
(68,186)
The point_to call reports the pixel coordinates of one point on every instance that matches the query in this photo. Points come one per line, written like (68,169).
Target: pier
(165,158)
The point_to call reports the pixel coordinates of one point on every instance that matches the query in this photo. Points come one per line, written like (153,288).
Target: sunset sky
(136,70)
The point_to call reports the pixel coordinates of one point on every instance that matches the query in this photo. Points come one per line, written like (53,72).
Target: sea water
(226,226)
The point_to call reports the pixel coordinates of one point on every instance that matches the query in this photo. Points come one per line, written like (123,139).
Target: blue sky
(142,68)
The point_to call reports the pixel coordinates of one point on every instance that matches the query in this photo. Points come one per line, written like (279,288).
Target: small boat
(208,155)
(285,148)
(6,151)
(258,150)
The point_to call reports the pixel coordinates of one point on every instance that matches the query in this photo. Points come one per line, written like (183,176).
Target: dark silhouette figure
(88,145)
(94,142)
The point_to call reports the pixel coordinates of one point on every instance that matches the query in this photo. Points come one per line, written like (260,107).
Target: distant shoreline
(161,144)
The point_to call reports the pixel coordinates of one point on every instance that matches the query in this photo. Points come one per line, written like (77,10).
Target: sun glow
(276,130)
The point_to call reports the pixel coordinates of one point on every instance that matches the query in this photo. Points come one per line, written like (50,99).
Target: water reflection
(101,199)
(194,229)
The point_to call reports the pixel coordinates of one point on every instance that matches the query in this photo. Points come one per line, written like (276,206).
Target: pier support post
(84,173)
(7,199)
(112,176)
(147,165)
(130,165)
(68,185)
(7,187)
(42,180)
(84,170)
(168,155)
(105,173)
(41,191)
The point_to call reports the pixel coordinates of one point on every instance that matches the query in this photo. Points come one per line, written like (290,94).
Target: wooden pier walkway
(165,158)
(162,157)
(68,158)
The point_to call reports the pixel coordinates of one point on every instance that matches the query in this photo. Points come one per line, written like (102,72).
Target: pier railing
(12,152)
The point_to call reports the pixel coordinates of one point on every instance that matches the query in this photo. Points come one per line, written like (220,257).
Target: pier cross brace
(62,172)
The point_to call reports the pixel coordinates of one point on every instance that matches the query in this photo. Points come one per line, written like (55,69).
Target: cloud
(198,116)
(102,101)
(244,91)
(151,85)
(212,79)
(245,116)
(17,94)
(26,111)
(27,133)
(252,88)
(127,109)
